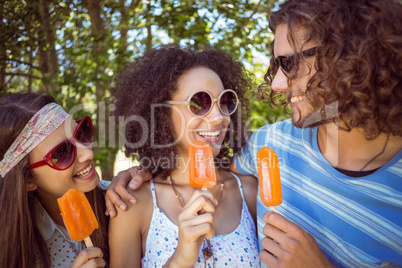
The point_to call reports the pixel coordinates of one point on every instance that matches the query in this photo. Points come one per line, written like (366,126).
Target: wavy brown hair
(358,59)
(152,79)
(22,243)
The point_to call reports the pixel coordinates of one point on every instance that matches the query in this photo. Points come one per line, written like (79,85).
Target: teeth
(296,99)
(83,172)
(209,134)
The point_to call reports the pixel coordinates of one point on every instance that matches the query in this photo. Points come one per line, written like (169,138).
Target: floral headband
(38,128)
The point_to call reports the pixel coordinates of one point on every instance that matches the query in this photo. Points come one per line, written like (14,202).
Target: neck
(51,207)
(352,151)
(181,173)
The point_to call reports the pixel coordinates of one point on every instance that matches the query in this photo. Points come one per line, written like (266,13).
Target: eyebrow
(306,53)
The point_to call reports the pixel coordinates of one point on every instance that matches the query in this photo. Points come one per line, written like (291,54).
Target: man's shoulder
(279,130)
(285,125)
(103,185)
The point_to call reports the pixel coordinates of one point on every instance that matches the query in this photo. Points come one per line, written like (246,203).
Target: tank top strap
(240,185)
(151,182)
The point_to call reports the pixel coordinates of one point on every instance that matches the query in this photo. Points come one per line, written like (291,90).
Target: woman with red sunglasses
(171,98)
(43,153)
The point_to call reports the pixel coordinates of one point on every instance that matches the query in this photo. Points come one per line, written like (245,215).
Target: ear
(31,186)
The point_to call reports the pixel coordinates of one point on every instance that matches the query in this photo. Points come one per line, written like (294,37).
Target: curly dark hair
(153,79)
(358,60)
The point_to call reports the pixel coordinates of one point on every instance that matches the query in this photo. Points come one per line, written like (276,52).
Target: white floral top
(236,249)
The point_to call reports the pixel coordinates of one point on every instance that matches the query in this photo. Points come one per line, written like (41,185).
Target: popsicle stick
(272,208)
(88,242)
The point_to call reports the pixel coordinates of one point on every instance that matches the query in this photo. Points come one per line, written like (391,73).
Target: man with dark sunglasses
(338,63)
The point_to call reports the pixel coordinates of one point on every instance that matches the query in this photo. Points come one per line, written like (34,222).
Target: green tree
(72,49)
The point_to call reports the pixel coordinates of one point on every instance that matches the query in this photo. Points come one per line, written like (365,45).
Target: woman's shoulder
(247,181)
(230,179)
(129,229)
(250,188)
(143,206)
(143,195)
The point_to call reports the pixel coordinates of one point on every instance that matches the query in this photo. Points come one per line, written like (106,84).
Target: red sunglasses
(64,154)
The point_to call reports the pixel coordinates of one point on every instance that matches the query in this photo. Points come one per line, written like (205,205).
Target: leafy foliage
(72,49)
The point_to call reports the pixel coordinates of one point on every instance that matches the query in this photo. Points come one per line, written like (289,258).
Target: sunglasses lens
(287,63)
(64,155)
(85,133)
(228,102)
(200,103)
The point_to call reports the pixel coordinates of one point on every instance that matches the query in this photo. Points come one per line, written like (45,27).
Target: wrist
(175,261)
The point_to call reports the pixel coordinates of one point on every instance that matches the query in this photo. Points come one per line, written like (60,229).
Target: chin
(309,120)
(306,124)
(92,184)
(215,151)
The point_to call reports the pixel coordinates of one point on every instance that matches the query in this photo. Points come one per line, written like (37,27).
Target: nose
(280,82)
(215,116)
(84,153)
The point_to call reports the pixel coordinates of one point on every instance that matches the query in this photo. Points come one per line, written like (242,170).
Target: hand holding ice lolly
(269,177)
(202,168)
(78,216)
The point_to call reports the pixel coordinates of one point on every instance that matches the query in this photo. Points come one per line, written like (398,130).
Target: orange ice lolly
(202,168)
(269,177)
(78,216)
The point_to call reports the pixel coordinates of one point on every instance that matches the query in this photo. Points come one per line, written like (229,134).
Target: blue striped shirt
(357,222)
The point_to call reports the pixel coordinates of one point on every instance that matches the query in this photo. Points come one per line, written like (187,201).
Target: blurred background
(72,49)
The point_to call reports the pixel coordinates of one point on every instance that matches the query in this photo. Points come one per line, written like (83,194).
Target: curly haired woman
(336,66)
(171,98)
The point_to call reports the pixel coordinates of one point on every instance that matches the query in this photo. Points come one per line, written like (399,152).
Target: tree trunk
(3,56)
(47,48)
(123,55)
(148,44)
(99,52)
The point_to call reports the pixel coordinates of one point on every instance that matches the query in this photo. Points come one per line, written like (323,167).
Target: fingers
(273,233)
(114,200)
(271,246)
(138,177)
(196,219)
(269,259)
(116,191)
(89,257)
(287,244)
(94,263)
(201,198)
(280,222)
(282,230)
(194,228)
(122,179)
(110,208)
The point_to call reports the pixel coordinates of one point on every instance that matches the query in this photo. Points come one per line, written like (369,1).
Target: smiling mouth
(296,99)
(209,134)
(83,172)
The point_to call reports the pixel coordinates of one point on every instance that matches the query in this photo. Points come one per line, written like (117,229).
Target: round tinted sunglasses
(64,154)
(289,63)
(201,102)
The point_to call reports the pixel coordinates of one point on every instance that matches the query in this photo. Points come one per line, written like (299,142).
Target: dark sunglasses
(64,154)
(289,63)
(201,102)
